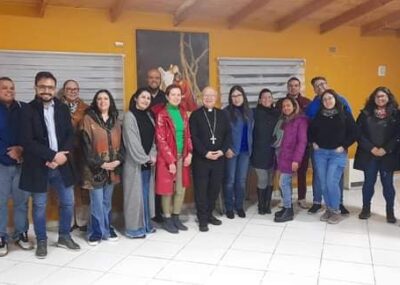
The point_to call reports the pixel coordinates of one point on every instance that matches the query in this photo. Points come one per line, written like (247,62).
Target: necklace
(212,130)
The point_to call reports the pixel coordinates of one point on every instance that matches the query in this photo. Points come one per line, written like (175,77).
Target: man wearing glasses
(320,84)
(47,139)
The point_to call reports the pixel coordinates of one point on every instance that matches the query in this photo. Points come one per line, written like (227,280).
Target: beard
(45,99)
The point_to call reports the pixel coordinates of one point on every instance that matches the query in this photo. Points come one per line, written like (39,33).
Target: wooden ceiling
(373,17)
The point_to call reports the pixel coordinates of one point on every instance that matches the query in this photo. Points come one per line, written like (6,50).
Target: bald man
(211,137)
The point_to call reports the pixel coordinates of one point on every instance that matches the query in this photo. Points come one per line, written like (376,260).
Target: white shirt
(48,111)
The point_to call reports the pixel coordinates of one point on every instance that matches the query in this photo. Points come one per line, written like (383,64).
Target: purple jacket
(293,143)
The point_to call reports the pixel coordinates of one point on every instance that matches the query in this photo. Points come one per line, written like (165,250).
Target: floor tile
(159,249)
(303,235)
(386,257)
(386,275)
(230,275)
(69,276)
(347,253)
(350,239)
(345,271)
(139,266)
(304,266)
(114,278)
(262,231)
(259,244)
(27,273)
(246,259)
(97,261)
(289,247)
(195,273)
(272,277)
(201,254)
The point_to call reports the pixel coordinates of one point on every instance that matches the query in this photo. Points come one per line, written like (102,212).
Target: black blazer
(34,175)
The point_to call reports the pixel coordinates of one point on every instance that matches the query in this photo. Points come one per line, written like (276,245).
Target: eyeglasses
(72,89)
(46,87)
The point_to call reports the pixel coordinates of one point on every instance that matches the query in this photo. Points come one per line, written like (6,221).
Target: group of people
(82,151)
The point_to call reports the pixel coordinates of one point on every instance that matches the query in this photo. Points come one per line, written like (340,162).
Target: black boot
(287,215)
(169,226)
(178,223)
(365,212)
(279,213)
(261,201)
(390,218)
(268,197)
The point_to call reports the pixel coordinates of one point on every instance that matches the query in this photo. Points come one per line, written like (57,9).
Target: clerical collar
(209,109)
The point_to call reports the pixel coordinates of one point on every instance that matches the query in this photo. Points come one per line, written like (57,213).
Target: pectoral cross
(213,139)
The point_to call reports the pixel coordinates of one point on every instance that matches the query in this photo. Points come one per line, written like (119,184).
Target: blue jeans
(65,208)
(235,181)
(316,187)
(148,227)
(370,176)
(329,166)
(9,181)
(285,184)
(100,212)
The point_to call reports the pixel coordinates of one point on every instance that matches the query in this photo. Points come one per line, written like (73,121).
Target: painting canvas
(182,58)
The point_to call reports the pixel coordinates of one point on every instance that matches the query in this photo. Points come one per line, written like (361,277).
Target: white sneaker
(3,246)
(302,204)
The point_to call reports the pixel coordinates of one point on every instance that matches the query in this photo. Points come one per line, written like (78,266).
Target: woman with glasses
(377,150)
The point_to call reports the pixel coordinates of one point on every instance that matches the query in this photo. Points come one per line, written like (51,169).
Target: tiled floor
(254,250)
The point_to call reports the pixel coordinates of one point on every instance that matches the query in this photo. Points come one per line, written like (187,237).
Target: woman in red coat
(174,156)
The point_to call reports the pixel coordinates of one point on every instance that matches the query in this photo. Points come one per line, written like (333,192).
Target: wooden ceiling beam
(299,14)
(244,12)
(352,14)
(42,7)
(183,11)
(377,25)
(116,10)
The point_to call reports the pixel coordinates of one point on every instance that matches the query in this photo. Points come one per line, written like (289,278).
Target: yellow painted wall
(352,70)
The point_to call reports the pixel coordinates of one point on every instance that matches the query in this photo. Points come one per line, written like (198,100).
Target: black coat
(263,154)
(34,175)
(374,132)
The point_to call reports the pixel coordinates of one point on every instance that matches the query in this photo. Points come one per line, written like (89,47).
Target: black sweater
(200,131)
(333,131)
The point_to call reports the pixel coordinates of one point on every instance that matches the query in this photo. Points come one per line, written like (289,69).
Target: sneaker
(68,243)
(93,241)
(230,214)
(241,213)
(335,218)
(343,210)
(23,242)
(214,221)
(3,246)
(113,235)
(41,249)
(302,204)
(315,208)
(325,216)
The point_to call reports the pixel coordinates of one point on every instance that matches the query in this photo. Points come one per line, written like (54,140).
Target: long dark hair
(338,103)
(370,105)
(233,112)
(112,111)
(132,101)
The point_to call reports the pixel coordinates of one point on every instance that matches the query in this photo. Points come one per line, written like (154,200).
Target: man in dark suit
(47,139)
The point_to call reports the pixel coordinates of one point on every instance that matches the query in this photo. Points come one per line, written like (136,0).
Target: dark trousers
(302,176)
(158,207)
(207,179)
(370,176)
